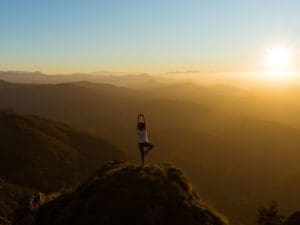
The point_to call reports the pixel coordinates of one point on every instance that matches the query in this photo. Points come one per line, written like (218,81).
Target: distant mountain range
(137,81)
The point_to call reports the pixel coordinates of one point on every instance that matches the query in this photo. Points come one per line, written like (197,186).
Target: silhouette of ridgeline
(129,194)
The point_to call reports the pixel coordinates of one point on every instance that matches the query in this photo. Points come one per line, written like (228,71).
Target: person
(144,145)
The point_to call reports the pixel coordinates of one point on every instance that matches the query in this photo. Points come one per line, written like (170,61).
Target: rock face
(25,213)
(4,221)
(10,195)
(294,219)
(129,194)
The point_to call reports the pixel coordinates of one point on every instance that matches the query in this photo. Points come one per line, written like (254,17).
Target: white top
(142,135)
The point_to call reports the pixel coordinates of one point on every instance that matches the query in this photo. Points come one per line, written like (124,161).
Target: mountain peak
(125,193)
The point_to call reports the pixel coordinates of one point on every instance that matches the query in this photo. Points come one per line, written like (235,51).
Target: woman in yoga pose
(144,145)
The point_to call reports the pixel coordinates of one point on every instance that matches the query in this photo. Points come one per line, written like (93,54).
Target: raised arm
(138,120)
(144,119)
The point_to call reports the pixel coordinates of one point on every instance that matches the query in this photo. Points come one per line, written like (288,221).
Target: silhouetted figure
(144,144)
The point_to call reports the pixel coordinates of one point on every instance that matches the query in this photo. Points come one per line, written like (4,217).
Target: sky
(152,36)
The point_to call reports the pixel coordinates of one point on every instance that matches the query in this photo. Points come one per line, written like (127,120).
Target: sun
(278,58)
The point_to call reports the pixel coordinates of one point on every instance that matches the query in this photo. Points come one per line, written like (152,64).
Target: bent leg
(149,145)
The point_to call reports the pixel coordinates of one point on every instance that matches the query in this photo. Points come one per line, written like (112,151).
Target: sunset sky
(154,36)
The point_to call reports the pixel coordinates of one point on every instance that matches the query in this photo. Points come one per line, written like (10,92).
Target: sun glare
(278,58)
(278,62)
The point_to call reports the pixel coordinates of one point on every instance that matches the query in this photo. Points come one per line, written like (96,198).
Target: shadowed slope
(47,155)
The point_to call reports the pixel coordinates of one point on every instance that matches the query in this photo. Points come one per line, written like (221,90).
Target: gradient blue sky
(143,35)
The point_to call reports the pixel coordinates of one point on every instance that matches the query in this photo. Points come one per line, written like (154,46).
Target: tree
(269,215)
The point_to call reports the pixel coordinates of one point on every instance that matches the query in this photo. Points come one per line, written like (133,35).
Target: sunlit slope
(47,155)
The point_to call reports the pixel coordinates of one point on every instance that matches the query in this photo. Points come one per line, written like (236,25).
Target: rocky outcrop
(25,213)
(10,195)
(4,221)
(129,194)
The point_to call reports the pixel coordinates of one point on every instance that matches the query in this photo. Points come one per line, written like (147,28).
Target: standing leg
(141,147)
